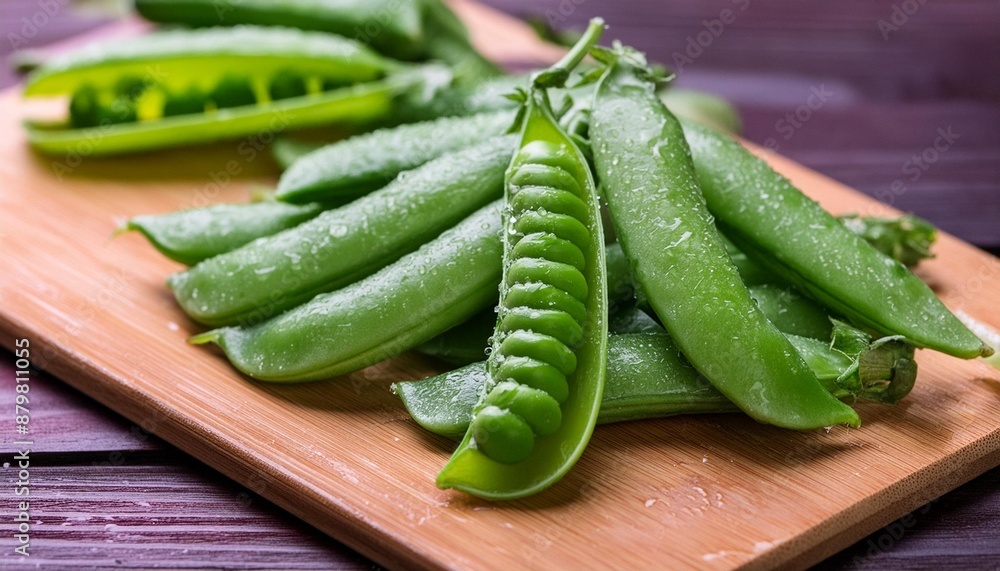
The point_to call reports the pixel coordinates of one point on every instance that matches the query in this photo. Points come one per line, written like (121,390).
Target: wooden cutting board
(699,491)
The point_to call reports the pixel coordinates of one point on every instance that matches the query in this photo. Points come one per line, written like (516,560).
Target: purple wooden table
(857,90)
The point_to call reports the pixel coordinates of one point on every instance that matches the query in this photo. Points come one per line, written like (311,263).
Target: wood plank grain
(956,531)
(63,420)
(176,516)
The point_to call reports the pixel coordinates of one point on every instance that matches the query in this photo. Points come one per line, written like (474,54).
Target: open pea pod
(547,368)
(189,86)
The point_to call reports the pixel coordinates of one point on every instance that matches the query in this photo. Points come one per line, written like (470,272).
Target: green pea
(557,274)
(551,322)
(287,83)
(536,407)
(502,435)
(535,374)
(548,199)
(539,347)
(85,107)
(551,246)
(188,101)
(232,91)
(565,227)
(539,295)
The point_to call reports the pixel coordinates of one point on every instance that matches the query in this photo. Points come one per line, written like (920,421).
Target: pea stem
(556,75)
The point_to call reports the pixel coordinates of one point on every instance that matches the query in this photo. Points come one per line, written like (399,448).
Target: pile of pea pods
(586,245)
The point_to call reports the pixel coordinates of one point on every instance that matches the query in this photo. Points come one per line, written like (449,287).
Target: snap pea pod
(394,309)
(404,29)
(340,246)
(547,368)
(681,264)
(792,236)
(361,164)
(701,107)
(399,22)
(647,378)
(190,236)
(183,86)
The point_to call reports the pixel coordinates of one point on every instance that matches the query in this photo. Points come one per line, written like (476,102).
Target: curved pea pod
(405,29)
(361,164)
(647,378)
(190,236)
(195,86)
(547,367)
(419,296)
(393,27)
(680,262)
(341,246)
(701,107)
(791,235)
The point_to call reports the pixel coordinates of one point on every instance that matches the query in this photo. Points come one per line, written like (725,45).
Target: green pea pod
(361,164)
(792,236)
(393,27)
(395,309)
(647,378)
(190,236)
(343,245)
(405,29)
(181,87)
(174,59)
(681,264)
(547,367)
(791,313)
(703,108)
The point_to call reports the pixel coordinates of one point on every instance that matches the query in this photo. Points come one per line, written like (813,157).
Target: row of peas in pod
(253,66)
(485,239)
